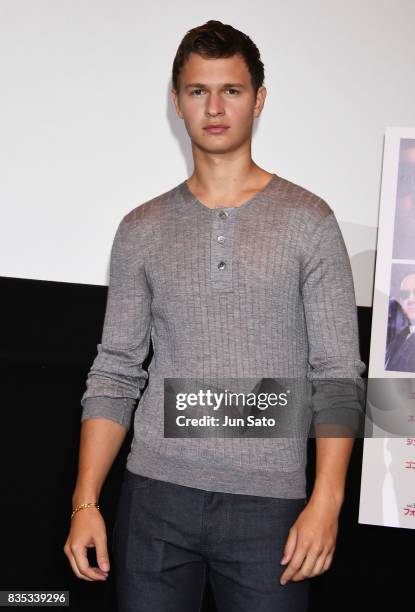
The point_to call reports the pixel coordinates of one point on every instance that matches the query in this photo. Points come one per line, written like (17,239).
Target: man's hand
(312,539)
(87,531)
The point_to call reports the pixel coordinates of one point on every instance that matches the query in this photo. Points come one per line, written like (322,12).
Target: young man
(235,272)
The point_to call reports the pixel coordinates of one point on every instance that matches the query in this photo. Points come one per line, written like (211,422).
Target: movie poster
(387,495)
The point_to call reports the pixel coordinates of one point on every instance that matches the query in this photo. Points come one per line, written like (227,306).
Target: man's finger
(289,545)
(82,563)
(328,561)
(295,563)
(319,565)
(74,566)
(308,565)
(102,555)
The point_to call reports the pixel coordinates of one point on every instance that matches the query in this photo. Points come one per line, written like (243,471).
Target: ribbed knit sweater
(263,289)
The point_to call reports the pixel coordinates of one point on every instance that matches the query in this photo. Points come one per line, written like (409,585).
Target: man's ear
(175,100)
(260,100)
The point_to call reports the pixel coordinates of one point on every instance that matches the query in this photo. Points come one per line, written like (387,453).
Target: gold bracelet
(81,506)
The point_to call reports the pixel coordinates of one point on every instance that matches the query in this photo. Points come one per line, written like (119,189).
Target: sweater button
(223,214)
(221,239)
(221,265)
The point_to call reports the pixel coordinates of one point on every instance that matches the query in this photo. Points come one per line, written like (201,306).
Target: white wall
(88,131)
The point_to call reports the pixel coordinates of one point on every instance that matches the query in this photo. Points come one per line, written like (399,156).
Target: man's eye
(231,89)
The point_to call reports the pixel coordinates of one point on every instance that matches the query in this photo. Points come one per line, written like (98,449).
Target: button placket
(223,224)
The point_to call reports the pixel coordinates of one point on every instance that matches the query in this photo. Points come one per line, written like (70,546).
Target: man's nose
(214,105)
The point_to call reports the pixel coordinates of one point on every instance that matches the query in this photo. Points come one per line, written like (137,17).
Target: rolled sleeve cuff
(118,409)
(343,417)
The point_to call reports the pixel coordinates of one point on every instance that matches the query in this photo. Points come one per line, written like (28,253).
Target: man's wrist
(325,489)
(84,496)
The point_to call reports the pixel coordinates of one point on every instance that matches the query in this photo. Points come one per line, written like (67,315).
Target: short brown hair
(215,39)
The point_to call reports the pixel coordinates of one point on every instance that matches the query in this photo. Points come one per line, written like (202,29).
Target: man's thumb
(103,560)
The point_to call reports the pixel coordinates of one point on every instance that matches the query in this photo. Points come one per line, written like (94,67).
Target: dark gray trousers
(168,539)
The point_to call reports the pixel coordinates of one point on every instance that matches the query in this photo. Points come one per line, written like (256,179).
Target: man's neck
(227,191)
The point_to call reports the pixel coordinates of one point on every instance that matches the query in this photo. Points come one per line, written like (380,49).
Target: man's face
(407,296)
(217,91)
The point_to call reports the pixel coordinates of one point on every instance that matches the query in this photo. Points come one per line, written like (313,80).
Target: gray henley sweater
(263,289)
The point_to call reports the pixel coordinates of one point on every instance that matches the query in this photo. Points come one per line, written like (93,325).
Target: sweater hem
(145,461)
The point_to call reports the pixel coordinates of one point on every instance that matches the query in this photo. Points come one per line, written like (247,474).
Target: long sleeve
(283,307)
(331,317)
(116,377)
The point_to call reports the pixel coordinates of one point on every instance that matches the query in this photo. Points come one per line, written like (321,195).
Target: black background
(49,337)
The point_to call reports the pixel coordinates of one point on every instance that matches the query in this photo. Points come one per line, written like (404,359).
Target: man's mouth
(216,129)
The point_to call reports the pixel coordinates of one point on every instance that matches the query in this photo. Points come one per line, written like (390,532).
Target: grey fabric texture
(283,305)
